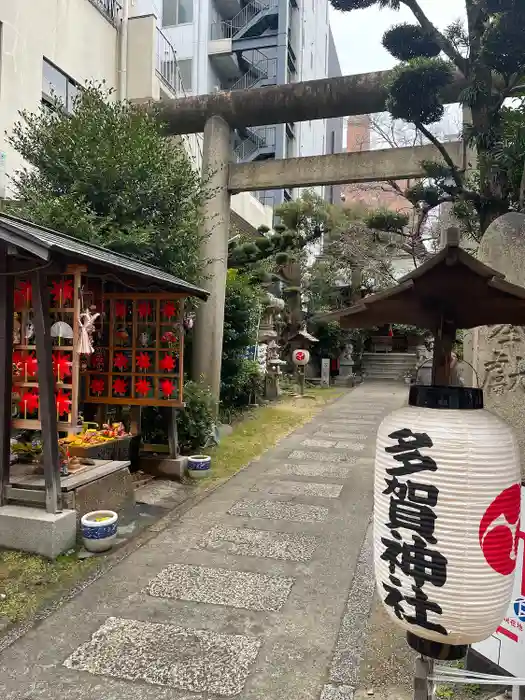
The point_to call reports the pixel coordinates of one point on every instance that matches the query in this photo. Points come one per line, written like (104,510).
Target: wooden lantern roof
(27,240)
(452,287)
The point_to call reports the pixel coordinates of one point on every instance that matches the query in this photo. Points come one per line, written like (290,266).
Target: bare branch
(446,46)
(446,157)
(393,184)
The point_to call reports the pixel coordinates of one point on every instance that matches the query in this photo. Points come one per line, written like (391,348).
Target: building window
(177,12)
(58,87)
(185,71)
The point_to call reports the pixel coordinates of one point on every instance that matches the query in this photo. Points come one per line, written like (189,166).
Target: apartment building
(236,44)
(54,46)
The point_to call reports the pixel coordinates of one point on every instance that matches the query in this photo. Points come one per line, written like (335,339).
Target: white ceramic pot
(99,530)
(199,466)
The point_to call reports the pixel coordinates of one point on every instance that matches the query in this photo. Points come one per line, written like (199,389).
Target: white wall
(313,65)
(72,34)
(191,41)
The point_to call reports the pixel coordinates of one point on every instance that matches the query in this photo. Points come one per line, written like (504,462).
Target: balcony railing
(260,68)
(260,138)
(111,9)
(265,197)
(227,29)
(167,66)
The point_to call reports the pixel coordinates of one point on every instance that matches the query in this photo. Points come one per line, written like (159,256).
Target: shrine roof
(452,285)
(42,242)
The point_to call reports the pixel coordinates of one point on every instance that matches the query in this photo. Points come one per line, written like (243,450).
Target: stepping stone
(358,420)
(238,589)
(341,435)
(353,446)
(319,456)
(337,692)
(260,543)
(160,490)
(298,488)
(317,442)
(337,471)
(279,510)
(197,661)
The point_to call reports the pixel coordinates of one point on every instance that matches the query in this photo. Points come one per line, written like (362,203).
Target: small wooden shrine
(80,326)
(449,291)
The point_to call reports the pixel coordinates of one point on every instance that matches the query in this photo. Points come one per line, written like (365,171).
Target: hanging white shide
(447,506)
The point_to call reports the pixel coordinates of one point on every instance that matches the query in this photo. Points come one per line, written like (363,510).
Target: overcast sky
(358,33)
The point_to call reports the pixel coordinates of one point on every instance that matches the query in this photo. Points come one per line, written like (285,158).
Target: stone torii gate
(218,113)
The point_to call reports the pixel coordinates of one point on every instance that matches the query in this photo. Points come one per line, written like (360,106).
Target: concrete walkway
(261,591)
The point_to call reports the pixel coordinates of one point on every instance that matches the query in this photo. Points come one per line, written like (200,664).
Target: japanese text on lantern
(505,370)
(412,521)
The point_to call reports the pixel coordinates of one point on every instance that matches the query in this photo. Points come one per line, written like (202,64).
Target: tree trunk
(486,122)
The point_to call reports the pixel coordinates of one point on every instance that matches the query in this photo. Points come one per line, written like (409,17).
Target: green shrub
(242,382)
(240,378)
(195,422)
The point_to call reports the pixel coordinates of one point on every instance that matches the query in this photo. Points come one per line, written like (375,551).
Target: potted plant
(408,377)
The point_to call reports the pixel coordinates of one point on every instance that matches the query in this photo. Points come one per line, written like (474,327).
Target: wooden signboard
(63,310)
(138,358)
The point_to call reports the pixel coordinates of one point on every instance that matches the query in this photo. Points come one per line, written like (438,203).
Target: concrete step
(389,365)
(389,354)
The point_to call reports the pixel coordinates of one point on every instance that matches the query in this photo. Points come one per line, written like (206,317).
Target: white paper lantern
(300,357)
(447,506)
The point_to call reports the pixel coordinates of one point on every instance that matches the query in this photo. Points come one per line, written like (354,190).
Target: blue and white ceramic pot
(199,466)
(99,530)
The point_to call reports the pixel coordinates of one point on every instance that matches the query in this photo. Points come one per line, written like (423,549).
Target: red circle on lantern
(498,530)
(299,356)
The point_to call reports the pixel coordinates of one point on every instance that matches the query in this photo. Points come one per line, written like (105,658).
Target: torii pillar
(207,337)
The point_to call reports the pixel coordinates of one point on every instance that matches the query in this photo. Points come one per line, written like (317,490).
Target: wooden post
(48,411)
(443,342)
(173,438)
(76,271)
(135,420)
(301,378)
(6,370)
(422,686)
